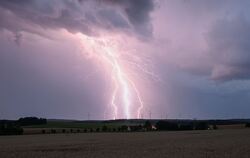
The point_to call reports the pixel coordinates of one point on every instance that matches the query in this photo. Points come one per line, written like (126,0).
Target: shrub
(97,130)
(247,125)
(10,128)
(215,126)
(148,126)
(27,121)
(119,129)
(136,128)
(53,131)
(184,127)
(104,128)
(165,125)
(124,128)
(201,126)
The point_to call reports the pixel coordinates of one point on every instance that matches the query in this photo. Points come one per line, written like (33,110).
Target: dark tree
(97,130)
(215,126)
(27,121)
(119,129)
(247,125)
(165,125)
(10,128)
(185,127)
(124,128)
(104,128)
(201,125)
(136,128)
(148,126)
(53,131)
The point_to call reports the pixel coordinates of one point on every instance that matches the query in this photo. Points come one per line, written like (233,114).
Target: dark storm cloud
(229,48)
(76,16)
(138,13)
(208,38)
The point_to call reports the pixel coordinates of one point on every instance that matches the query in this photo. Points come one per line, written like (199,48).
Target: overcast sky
(187,58)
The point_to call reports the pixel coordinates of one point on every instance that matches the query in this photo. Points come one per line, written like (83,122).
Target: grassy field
(233,143)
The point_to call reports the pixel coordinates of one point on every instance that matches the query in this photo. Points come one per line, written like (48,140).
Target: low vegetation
(10,128)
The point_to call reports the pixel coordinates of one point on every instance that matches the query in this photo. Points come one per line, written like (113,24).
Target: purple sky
(187,58)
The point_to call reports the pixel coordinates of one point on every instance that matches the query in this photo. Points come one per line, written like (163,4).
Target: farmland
(174,144)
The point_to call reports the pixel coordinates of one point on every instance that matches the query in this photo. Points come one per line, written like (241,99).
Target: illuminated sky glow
(107,51)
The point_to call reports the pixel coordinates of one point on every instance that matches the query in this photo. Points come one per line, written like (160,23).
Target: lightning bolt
(124,88)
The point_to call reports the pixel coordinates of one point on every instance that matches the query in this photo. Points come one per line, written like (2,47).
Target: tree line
(8,127)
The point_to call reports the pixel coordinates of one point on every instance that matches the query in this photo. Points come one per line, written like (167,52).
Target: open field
(234,143)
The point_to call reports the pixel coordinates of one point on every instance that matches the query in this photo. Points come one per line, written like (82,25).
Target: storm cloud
(228,42)
(208,38)
(87,16)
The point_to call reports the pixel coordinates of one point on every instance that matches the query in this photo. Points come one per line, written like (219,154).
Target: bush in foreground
(10,128)
(247,125)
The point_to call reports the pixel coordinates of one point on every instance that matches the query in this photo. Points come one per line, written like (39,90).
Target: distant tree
(202,125)
(43,131)
(104,128)
(148,126)
(247,125)
(27,121)
(185,127)
(124,128)
(166,125)
(215,126)
(53,131)
(10,128)
(119,129)
(136,128)
(97,130)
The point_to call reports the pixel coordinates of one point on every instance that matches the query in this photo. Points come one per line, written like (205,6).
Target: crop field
(234,143)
